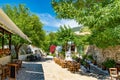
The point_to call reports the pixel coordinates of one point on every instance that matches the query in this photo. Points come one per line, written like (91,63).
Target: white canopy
(8,25)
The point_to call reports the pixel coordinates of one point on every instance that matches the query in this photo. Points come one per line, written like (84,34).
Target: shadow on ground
(90,74)
(31,71)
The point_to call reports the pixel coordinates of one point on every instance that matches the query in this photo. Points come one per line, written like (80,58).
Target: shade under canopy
(8,25)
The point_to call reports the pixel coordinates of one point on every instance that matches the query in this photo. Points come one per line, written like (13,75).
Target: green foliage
(53,54)
(81,40)
(53,37)
(62,54)
(109,63)
(75,57)
(85,29)
(84,56)
(29,23)
(65,34)
(101,16)
(89,57)
(50,39)
(82,61)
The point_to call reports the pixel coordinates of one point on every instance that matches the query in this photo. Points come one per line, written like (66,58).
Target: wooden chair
(72,67)
(1,72)
(114,73)
(6,71)
(77,67)
(64,64)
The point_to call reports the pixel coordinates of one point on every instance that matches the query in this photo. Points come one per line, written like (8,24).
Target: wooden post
(10,41)
(3,40)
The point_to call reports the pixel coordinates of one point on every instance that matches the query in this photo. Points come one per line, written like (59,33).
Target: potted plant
(109,63)
(84,63)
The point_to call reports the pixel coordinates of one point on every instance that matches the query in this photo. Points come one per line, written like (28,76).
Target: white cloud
(49,20)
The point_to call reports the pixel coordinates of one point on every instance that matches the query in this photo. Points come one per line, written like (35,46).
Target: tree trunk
(17,47)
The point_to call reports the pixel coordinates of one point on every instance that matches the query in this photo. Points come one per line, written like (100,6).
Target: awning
(7,24)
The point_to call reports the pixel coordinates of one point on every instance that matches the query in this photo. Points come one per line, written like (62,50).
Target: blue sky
(45,12)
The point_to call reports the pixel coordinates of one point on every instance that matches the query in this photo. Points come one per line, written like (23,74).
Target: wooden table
(13,70)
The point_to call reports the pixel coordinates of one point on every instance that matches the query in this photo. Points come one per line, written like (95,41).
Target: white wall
(23,57)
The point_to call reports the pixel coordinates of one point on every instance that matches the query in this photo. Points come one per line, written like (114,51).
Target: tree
(101,16)
(29,23)
(53,37)
(64,34)
(50,40)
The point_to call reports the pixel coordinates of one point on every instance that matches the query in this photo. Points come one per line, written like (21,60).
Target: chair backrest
(113,71)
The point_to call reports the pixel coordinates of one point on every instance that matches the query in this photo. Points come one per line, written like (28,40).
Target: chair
(77,67)
(114,73)
(1,72)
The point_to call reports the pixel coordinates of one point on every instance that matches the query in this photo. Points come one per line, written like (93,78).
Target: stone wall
(102,54)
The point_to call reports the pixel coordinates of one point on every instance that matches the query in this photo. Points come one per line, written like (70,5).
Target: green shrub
(53,54)
(90,57)
(84,56)
(109,63)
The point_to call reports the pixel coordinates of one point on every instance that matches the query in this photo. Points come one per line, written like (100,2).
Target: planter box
(5,60)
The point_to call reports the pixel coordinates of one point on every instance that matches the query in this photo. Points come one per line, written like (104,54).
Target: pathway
(53,71)
(48,70)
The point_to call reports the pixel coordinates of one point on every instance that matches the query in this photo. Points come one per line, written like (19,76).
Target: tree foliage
(29,23)
(65,34)
(51,39)
(101,16)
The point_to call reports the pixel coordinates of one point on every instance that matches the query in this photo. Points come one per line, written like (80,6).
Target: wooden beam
(5,31)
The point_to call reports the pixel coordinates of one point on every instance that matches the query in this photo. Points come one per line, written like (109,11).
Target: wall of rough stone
(102,54)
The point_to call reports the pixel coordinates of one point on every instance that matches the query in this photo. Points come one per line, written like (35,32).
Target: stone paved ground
(53,71)
(48,70)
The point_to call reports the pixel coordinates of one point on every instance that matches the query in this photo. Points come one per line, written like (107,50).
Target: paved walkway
(53,71)
(48,70)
